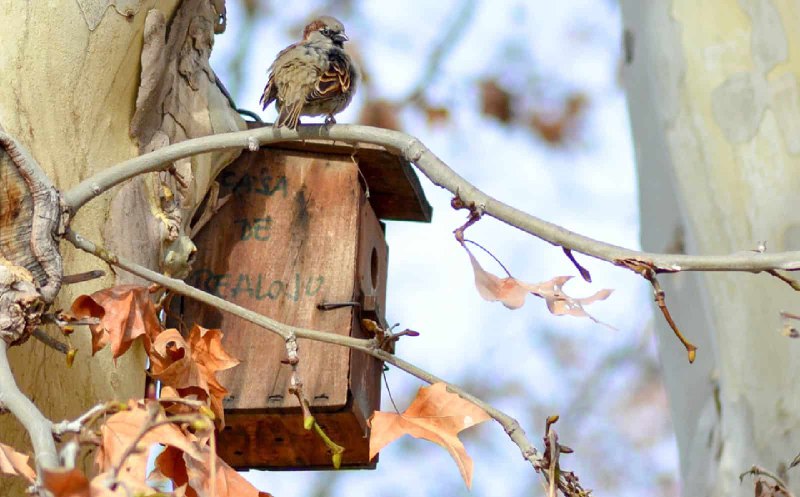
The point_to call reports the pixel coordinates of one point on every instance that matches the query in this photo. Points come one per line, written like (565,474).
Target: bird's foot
(330,120)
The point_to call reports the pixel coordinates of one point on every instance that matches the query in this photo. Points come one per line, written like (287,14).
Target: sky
(530,363)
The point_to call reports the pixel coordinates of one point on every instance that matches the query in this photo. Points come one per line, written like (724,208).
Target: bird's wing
(269,94)
(294,76)
(337,79)
(285,57)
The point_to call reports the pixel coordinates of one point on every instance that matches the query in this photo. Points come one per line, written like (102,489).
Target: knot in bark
(21,305)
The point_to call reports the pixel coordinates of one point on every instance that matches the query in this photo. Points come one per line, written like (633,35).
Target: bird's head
(326,28)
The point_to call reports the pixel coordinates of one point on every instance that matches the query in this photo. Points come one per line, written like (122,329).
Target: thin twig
(51,342)
(252,115)
(552,444)
(789,281)
(296,389)
(389,391)
(475,214)
(585,274)
(371,347)
(442,48)
(649,273)
(197,404)
(86,419)
(209,213)
(759,471)
(71,279)
(213,463)
(414,151)
(368,346)
(691,349)
(490,255)
(151,423)
(64,320)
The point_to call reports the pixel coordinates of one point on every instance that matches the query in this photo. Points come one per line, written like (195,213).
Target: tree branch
(442,48)
(368,346)
(412,150)
(38,427)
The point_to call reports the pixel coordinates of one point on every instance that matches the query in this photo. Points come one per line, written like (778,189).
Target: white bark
(69,78)
(715,110)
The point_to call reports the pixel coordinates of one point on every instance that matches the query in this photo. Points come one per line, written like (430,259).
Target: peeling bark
(29,237)
(21,304)
(178,99)
(30,222)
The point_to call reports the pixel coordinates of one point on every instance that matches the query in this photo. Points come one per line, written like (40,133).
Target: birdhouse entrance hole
(373,268)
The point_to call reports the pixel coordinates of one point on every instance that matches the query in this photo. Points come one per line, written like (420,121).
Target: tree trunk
(715,112)
(71,72)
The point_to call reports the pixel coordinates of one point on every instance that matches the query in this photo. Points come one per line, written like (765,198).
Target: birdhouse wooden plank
(301,242)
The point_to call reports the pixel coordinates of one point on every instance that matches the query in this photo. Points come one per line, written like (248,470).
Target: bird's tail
(289,116)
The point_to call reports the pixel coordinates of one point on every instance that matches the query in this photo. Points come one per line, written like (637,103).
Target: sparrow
(313,77)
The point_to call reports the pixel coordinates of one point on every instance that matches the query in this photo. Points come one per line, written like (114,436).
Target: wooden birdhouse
(301,241)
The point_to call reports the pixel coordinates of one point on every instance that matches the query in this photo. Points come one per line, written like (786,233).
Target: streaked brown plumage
(314,77)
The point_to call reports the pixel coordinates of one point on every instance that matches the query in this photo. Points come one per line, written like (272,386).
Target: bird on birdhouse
(313,77)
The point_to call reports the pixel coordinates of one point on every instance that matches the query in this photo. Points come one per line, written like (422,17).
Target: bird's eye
(326,31)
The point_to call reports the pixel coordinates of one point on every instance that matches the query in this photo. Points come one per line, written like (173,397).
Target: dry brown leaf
(509,291)
(194,475)
(229,483)
(73,483)
(381,114)
(190,367)
(170,465)
(436,115)
(512,292)
(496,101)
(168,392)
(70,483)
(125,312)
(172,362)
(436,415)
(121,429)
(15,463)
(559,303)
(764,488)
(126,486)
(208,351)
(209,354)
(555,127)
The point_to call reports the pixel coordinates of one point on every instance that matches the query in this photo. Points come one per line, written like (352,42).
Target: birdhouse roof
(395,192)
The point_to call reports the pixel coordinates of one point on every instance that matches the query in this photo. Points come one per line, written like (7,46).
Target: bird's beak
(340,37)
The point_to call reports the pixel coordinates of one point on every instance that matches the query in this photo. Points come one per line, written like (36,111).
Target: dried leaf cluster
(186,367)
(125,439)
(511,292)
(191,397)
(182,421)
